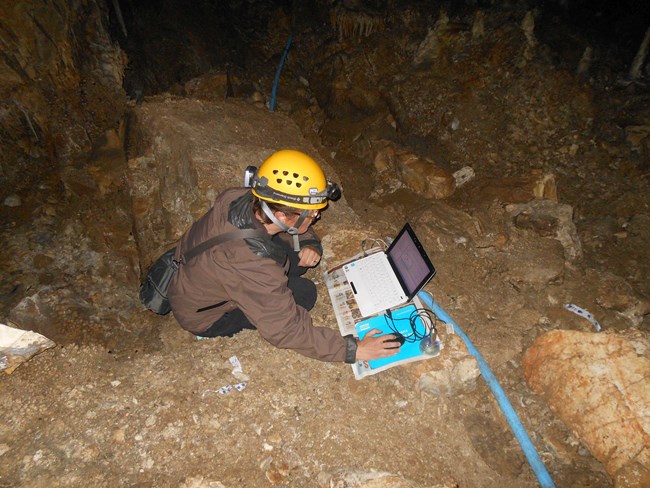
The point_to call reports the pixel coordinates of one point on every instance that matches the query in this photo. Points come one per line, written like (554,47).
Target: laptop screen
(410,261)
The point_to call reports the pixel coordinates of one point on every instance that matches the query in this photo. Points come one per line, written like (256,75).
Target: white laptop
(385,280)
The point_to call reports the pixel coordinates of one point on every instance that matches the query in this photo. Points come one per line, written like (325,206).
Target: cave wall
(60,86)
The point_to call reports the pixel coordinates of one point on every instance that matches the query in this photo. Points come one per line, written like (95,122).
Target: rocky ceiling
(169,43)
(66,65)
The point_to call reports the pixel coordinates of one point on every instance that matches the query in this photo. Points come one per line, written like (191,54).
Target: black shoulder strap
(220,239)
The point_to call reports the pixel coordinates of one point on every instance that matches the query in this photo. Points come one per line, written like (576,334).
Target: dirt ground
(127,398)
(75,416)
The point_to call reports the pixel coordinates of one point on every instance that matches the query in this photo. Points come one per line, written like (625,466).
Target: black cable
(427,317)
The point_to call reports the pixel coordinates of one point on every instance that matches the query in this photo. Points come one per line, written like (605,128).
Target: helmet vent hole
(279,181)
(298,185)
(285,173)
(305,178)
(275,171)
(296,175)
(289,182)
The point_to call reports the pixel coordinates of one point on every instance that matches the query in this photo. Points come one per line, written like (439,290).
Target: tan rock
(397,166)
(599,385)
(354,478)
(454,371)
(429,49)
(549,219)
(424,177)
(613,291)
(638,136)
(516,189)
(277,472)
(200,482)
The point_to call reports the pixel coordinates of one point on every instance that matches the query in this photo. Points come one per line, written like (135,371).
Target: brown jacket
(235,275)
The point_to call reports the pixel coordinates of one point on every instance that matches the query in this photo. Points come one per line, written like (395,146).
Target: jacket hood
(240,214)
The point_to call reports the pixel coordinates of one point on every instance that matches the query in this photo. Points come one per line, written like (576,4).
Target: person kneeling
(257,283)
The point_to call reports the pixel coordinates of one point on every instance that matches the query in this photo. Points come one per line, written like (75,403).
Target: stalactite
(528,28)
(118,14)
(639,59)
(585,61)
(29,121)
(354,24)
(478,25)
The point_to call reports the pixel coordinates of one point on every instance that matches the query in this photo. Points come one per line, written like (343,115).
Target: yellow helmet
(292,178)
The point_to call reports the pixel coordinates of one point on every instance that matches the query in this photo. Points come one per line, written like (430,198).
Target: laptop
(384,280)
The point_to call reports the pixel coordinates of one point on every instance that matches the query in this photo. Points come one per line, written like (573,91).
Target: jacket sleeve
(258,286)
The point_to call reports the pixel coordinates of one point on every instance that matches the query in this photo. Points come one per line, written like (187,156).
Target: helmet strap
(293,231)
(301,219)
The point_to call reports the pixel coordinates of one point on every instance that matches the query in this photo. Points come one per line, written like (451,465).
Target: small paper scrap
(224,390)
(236,365)
(583,313)
(238,373)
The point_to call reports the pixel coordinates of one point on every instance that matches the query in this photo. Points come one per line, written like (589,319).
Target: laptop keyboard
(381,289)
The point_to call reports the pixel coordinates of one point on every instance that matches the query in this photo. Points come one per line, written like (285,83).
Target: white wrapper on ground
(238,373)
(237,370)
(583,313)
(17,346)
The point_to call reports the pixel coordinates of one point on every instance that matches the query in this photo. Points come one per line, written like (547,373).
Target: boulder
(599,385)
(185,152)
(514,189)
(219,86)
(549,219)
(397,166)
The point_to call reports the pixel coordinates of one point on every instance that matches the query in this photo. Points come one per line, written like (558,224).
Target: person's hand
(309,257)
(373,347)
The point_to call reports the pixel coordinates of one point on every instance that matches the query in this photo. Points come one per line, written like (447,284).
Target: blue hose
(277,73)
(511,416)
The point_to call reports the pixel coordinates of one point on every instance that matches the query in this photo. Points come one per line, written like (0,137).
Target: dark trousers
(304,293)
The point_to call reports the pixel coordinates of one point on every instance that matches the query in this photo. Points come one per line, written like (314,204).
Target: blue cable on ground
(511,416)
(277,73)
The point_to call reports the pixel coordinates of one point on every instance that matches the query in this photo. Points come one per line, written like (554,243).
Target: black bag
(153,292)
